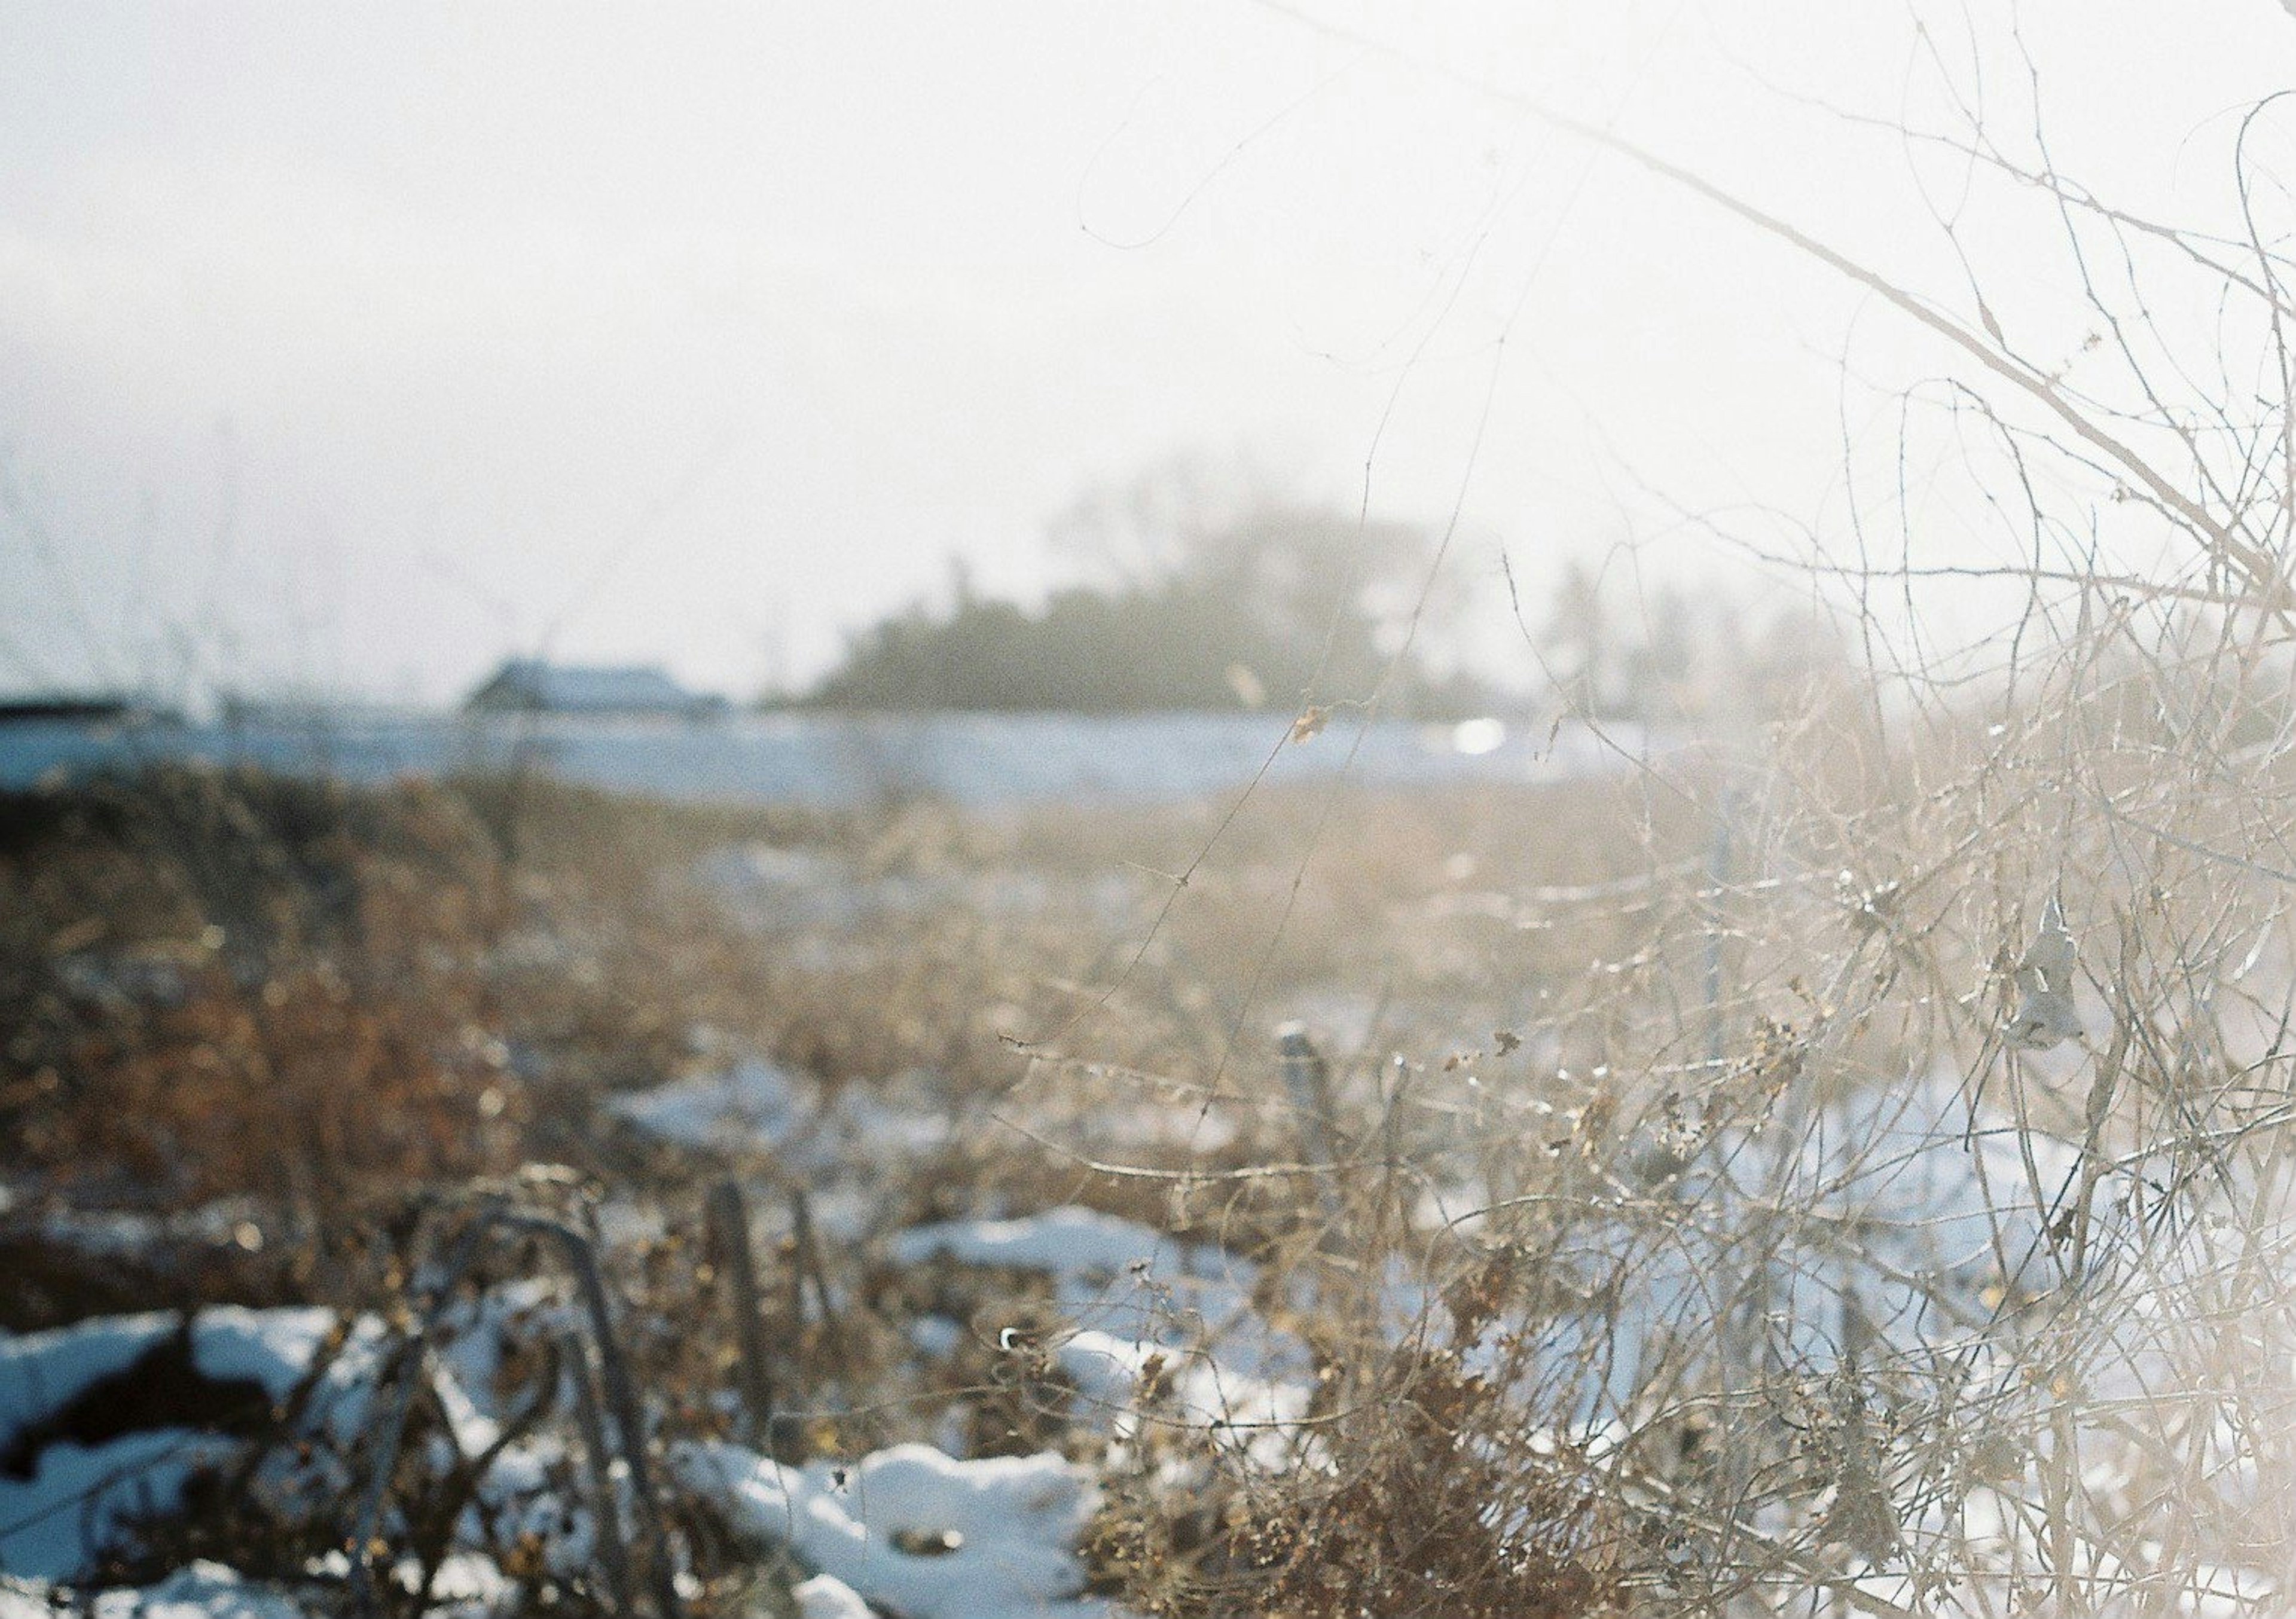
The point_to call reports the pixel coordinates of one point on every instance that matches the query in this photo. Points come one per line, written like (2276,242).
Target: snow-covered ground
(924,1534)
(1897,1224)
(913,1530)
(64,1498)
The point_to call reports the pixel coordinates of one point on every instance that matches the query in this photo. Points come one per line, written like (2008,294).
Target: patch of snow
(1121,1378)
(823,1597)
(1069,1241)
(476,1335)
(81,1498)
(200,1591)
(204,1589)
(755,1104)
(872,1126)
(1116,1276)
(78,1498)
(1009,1525)
(466,1578)
(1106,1369)
(751,1102)
(626,1223)
(935,1335)
(1133,1298)
(1896,1211)
(43,1372)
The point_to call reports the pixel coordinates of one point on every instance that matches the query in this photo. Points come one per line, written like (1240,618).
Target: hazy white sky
(358,347)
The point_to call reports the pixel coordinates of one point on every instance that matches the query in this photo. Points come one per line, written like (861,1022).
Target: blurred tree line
(1196,590)
(1194,596)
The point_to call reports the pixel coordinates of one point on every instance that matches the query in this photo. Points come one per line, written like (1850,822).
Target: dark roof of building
(530,683)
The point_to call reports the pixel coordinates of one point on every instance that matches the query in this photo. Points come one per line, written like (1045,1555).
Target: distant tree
(1202,601)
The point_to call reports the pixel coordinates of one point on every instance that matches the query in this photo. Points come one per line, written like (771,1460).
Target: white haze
(351,349)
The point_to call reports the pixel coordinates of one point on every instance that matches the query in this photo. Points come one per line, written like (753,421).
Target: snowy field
(841,759)
(1137,1330)
(936,1216)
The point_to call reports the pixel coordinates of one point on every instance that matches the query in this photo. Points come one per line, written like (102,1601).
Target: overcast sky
(356,348)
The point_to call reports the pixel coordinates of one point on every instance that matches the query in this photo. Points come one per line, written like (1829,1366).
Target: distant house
(529,685)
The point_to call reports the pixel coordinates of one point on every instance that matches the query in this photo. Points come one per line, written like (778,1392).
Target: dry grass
(1603,1301)
(1593,1235)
